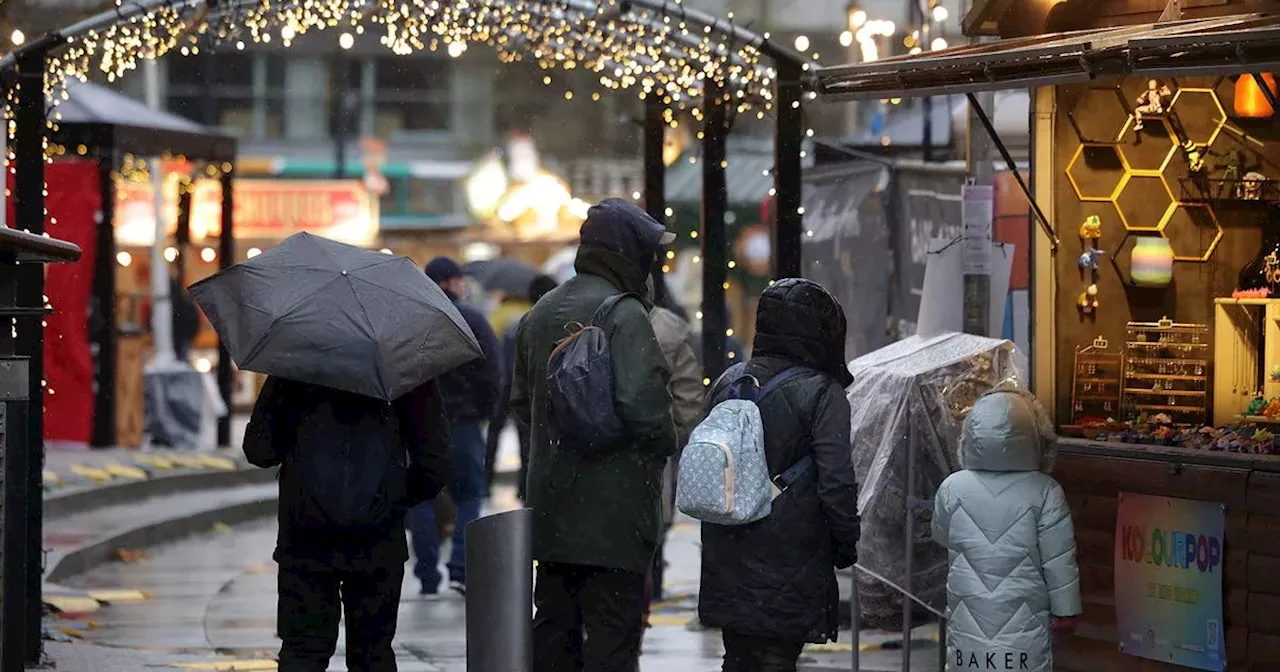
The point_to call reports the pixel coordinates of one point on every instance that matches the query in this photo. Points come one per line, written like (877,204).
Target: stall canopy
(1225,45)
(99,118)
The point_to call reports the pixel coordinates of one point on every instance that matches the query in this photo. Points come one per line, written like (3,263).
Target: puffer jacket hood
(799,320)
(1010,540)
(1007,430)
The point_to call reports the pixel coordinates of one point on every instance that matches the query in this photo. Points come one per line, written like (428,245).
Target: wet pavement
(211,601)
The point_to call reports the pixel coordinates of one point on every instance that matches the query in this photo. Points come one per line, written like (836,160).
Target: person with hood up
(596,517)
(1005,523)
(470,395)
(675,336)
(770,586)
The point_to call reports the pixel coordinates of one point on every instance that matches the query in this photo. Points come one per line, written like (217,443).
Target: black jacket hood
(799,320)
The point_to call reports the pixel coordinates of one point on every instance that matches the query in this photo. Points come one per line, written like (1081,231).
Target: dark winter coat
(776,578)
(272,436)
(471,390)
(602,510)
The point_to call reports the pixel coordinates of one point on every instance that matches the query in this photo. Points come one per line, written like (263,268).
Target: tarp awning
(1224,45)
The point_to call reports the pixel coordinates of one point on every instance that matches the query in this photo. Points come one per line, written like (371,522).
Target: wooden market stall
(1156,290)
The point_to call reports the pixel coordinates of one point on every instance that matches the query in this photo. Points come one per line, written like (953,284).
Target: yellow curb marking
(95,475)
(52,477)
(187,461)
(215,462)
(659,620)
(123,595)
(134,473)
(69,631)
(154,461)
(73,605)
(231,665)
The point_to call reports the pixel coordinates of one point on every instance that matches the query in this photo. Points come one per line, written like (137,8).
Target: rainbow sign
(1168,576)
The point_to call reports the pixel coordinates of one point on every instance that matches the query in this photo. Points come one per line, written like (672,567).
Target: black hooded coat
(776,578)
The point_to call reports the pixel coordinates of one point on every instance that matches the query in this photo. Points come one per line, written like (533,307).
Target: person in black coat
(770,586)
(321,569)
(470,396)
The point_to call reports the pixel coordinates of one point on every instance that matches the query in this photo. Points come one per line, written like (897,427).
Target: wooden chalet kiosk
(1151,358)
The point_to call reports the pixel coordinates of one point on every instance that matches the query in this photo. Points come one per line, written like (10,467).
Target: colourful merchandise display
(1152,262)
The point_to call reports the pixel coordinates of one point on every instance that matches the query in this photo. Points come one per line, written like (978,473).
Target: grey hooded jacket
(1008,531)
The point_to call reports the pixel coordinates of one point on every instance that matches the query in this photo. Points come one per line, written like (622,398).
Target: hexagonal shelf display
(1097,113)
(1144,202)
(1096,172)
(1148,149)
(1193,232)
(1198,115)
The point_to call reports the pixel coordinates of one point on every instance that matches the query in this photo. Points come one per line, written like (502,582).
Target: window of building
(411,95)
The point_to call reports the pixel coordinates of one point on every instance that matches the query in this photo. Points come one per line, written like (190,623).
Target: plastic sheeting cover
(918,389)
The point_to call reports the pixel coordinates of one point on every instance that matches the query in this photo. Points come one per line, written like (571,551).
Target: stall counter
(1094,474)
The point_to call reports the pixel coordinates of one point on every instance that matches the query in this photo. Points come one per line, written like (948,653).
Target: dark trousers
(749,653)
(312,601)
(467,488)
(605,605)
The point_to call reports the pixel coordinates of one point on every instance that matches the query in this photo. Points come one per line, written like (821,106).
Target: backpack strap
(780,378)
(793,474)
(606,307)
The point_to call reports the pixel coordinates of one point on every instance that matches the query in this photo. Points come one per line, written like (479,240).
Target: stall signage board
(978,214)
(1168,580)
(342,210)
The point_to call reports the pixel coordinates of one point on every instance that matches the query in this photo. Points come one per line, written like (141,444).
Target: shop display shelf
(1238,191)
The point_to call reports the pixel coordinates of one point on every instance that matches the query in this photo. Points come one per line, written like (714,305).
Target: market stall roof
(1224,45)
(102,119)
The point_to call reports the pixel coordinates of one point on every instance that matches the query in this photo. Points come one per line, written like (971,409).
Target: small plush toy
(1256,406)
(1088,301)
(1196,155)
(1091,229)
(1089,260)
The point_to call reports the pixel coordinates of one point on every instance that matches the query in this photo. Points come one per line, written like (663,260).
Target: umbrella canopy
(508,276)
(317,311)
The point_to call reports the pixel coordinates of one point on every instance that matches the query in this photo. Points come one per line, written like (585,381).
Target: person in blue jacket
(470,395)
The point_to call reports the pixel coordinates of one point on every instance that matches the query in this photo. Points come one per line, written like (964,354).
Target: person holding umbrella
(351,341)
(470,396)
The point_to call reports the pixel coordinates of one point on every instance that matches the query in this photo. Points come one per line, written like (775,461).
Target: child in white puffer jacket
(1013,578)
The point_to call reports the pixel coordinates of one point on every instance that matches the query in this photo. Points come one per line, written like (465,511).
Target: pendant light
(1250,100)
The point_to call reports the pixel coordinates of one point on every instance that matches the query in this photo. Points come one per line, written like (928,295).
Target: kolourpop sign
(1168,580)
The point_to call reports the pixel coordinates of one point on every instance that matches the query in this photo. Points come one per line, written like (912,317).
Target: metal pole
(908,565)
(161,306)
(340,63)
(788,175)
(942,644)
(977,287)
(104,299)
(715,128)
(24,456)
(226,257)
(855,613)
(182,237)
(655,181)
(922,8)
(500,593)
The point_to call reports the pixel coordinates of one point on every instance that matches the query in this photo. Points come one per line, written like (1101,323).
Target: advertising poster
(1168,580)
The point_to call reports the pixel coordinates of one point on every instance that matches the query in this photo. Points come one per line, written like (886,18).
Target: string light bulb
(17,37)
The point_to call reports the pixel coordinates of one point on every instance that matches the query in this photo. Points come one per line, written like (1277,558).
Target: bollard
(500,592)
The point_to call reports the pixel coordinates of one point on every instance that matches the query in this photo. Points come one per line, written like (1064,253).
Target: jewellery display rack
(1166,370)
(1096,382)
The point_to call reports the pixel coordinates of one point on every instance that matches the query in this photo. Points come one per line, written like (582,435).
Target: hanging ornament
(1091,229)
(1152,262)
(1250,100)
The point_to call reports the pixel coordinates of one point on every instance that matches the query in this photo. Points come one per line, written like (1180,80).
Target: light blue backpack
(724,477)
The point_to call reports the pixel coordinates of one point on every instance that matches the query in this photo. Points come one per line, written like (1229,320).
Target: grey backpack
(580,386)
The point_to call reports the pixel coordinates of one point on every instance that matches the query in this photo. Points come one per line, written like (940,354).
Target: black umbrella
(508,276)
(317,311)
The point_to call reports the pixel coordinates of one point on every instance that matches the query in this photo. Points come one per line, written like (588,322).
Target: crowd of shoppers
(355,468)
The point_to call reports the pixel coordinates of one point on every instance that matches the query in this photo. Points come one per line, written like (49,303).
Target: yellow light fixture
(1250,100)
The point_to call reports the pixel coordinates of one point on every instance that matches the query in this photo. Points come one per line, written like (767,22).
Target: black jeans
(312,600)
(748,653)
(605,605)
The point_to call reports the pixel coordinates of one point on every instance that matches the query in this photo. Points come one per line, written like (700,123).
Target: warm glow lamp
(1152,262)
(1251,101)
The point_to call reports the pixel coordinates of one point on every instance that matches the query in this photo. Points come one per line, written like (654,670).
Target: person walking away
(1003,516)
(675,337)
(770,585)
(538,288)
(504,319)
(470,394)
(352,466)
(596,512)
